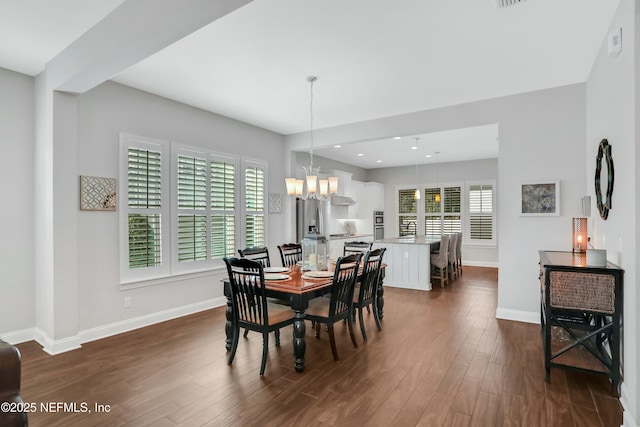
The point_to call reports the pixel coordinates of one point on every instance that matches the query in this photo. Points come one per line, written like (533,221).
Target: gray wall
(16,216)
(104,112)
(612,113)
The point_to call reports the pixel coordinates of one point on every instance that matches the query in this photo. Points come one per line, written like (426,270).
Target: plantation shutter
(192,208)
(144,201)
(452,218)
(481,212)
(223,205)
(407,212)
(254,206)
(432,210)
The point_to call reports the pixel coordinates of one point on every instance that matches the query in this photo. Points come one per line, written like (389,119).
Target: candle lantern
(579,235)
(314,251)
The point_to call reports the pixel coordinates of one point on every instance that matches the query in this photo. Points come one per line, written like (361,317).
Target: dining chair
(459,254)
(366,291)
(250,307)
(256,253)
(440,260)
(339,307)
(452,266)
(356,247)
(290,254)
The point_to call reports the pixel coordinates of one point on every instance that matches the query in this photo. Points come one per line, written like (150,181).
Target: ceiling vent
(507,3)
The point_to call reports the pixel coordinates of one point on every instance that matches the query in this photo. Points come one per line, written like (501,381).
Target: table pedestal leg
(380,297)
(228,326)
(299,345)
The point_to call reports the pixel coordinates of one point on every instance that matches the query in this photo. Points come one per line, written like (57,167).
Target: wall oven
(378,225)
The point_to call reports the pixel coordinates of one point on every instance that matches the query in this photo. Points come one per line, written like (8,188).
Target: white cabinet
(344,182)
(377,191)
(359,194)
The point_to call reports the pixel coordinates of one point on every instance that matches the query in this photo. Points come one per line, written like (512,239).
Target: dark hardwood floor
(441,359)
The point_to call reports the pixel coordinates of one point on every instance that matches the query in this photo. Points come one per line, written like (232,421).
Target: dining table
(298,288)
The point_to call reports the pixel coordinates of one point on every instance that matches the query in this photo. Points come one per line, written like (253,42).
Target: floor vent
(507,3)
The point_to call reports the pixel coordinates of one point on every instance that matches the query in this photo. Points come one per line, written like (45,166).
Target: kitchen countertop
(348,236)
(411,240)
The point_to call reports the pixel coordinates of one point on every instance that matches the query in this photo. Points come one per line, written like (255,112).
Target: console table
(580,314)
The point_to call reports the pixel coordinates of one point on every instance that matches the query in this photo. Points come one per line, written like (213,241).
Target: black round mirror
(604,169)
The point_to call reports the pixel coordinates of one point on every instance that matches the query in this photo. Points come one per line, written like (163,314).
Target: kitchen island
(408,261)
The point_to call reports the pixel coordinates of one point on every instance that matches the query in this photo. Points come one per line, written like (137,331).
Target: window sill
(172,278)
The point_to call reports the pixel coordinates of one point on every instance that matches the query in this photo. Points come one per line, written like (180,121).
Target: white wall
(612,96)
(16,216)
(104,112)
(454,172)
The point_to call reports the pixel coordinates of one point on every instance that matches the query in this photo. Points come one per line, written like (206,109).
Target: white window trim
(136,274)
(249,161)
(185,150)
(421,215)
(467,241)
(170,269)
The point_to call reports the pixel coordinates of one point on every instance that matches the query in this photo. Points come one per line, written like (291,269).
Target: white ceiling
(373,58)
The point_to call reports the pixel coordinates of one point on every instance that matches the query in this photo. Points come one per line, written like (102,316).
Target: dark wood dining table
(298,291)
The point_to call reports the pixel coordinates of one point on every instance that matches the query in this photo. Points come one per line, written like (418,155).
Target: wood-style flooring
(442,358)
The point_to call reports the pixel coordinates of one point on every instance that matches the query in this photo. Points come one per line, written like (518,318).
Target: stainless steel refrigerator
(309,213)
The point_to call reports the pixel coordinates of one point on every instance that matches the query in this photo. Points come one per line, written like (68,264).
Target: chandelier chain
(311,80)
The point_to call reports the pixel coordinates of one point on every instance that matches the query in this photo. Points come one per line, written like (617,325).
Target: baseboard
(122,326)
(627,418)
(16,337)
(491,264)
(54,347)
(518,315)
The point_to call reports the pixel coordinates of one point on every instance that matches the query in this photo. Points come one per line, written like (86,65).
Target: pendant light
(315,189)
(416,195)
(437,198)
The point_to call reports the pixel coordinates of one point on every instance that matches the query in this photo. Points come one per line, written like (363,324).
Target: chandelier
(315,188)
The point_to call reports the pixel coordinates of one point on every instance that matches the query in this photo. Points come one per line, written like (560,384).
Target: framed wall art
(541,199)
(97,194)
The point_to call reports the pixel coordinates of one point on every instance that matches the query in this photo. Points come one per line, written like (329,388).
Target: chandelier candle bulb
(579,234)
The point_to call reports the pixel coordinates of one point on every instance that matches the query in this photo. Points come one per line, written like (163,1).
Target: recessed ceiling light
(397,137)
(428,155)
(337,146)
(378,161)
(360,154)
(414,148)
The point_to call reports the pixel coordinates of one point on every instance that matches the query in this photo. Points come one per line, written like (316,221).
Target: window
(481,219)
(407,212)
(223,207)
(254,204)
(193,213)
(183,214)
(444,210)
(444,216)
(144,218)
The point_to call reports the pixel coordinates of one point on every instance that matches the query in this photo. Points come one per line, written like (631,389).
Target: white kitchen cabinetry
(377,191)
(359,194)
(344,182)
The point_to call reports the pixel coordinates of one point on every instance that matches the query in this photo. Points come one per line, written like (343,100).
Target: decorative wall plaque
(97,194)
(275,203)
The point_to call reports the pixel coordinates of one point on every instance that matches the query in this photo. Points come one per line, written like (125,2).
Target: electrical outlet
(127,302)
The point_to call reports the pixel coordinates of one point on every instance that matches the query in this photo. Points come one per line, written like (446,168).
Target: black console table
(580,314)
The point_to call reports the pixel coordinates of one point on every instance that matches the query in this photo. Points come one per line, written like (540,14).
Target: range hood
(342,201)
